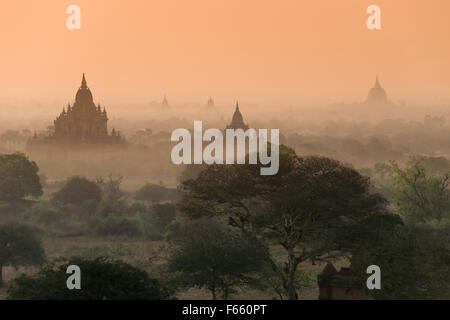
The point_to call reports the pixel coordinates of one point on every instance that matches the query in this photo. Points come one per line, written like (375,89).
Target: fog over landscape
(356,132)
(88,178)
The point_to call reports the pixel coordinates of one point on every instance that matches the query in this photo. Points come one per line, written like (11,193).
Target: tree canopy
(19,246)
(152,192)
(420,195)
(214,256)
(101,279)
(21,174)
(414,261)
(76,190)
(299,209)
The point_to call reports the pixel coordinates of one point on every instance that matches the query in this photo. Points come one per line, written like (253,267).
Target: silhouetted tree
(414,261)
(214,256)
(21,173)
(152,192)
(19,246)
(420,197)
(164,214)
(101,279)
(111,188)
(381,169)
(76,190)
(299,208)
(11,190)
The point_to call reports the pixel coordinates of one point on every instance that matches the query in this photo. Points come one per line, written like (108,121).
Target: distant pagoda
(165,102)
(83,122)
(377,95)
(237,122)
(210,103)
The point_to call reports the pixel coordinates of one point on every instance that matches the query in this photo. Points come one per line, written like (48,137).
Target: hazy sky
(289,50)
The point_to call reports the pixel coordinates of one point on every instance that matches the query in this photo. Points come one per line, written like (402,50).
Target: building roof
(377,94)
(330,277)
(84,94)
(237,122)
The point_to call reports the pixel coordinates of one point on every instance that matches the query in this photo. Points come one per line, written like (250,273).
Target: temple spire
(237,121)
(377,83)
(83,82)
(165,102)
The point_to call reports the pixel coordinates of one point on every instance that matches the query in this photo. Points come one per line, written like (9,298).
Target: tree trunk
(225,294)
(290,279)
(1,275)
(292,293)
(213,292)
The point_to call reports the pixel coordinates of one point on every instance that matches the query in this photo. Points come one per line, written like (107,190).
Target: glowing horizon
(249,50)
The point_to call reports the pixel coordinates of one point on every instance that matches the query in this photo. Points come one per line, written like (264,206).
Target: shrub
(117,227)
(77,190)
(173,229)
(42,213)
(12,208)
(102,279)
(90,207)
(146,223)
(163,214)
(19,246)
(137,207)
(11,190)
(152,192)
(17,166)
(154,236)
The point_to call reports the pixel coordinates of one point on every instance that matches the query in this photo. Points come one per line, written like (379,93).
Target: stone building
(210,103)
(342,285)
(83,122)
(237,122)
(377,95)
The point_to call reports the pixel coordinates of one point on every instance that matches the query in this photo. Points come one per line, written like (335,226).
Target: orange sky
(264,50)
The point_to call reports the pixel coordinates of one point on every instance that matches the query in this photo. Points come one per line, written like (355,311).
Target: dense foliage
(101,279)
(19,246)
(214,256)
(76,190)
(299,209)
(18,177)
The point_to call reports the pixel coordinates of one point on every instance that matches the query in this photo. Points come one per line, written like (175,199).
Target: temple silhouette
(210,103)
(237,122)
(376,98)
(377,95)
(165,102)
(81,123)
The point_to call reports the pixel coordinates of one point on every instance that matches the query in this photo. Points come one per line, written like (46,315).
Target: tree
(414,262)
(101,279)
(19,246)
(152,192)
(112,195)
(163,215)
(25,172)
(420,197)
(267,281)
(76,190)
(381,169)
(111,188)
(11,190)
(298,209)
(214,256)
(14,137)
(191,171)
